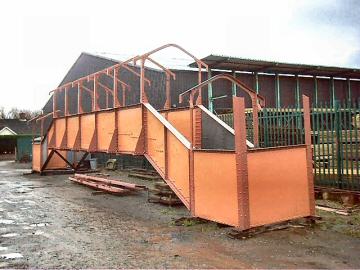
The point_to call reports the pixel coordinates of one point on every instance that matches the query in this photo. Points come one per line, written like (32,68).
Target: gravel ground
(50,222)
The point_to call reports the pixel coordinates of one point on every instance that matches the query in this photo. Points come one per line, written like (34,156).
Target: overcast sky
(40,40)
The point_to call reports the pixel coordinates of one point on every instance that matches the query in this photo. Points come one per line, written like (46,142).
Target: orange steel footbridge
(235,183)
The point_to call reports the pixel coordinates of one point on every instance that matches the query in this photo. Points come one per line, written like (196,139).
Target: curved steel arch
(198,61)
(146,56)
(248,90)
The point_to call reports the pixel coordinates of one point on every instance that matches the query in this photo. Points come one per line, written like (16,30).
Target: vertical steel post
(196,118)
(96,105)
(80,108)
(66,101)
(197,128)
(143,97)
(115,88)
(256,82)
(123,95)
(316,90)
(339,142)
(168,93)
(199,99)
(79,131)
(107,99)
(297,91)
(116,129)
(255,118)
(255,112)
(241,163)
(234,84)
(42,137)
(210,93)
(349,89)
(277,91)
(332,91)
(191,157)
(54,104)
(309,167)
(41,129)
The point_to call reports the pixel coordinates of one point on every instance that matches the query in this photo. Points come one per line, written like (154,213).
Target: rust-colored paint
(310,173)
(242,181)
(277,178)
(180,120)
(178,165)
(216,187)
(255,118)
(36,153)
(197,128)
(50,136)
(129,125)
(72,130)
(155,141)
(87,130)
(106,128)
(278,185)
(56,162)
(242,188)
(60,127)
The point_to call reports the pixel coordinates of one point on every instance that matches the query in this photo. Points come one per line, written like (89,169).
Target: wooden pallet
(113,186)
(162,193)
(145,176)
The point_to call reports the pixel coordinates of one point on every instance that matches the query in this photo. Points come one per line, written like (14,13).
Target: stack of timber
(162,193)
(144,174)
(112,186)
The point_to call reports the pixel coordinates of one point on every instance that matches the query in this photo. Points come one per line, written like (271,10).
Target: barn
(282,84)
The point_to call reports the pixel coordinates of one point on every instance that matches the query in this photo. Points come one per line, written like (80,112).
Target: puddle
(39,233)
(23,190)
(10,235)
(3,248)
(15,216)
(10,256)
(39,224)
(27,228)
(23,223)
(10,202)
(30,202)
(6,221)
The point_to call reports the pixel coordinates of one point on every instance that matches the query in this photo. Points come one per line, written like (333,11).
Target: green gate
(335,136)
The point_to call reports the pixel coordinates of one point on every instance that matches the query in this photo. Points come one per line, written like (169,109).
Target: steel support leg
(241,163)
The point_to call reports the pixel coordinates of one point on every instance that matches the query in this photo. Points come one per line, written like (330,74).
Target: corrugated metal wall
(87,64)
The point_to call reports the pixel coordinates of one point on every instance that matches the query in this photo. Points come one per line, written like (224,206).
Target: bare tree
(2,113)
(15,113)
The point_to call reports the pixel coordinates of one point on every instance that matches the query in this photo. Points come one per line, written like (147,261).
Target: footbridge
(217,172)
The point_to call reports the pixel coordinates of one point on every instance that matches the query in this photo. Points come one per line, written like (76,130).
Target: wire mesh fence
(335,138)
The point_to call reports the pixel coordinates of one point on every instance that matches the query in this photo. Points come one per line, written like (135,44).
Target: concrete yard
(50,222)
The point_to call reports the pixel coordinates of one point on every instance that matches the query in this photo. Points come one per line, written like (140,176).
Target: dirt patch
(55,223)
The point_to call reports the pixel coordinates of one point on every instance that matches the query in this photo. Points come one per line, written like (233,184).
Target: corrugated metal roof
(173,63)
(252,65)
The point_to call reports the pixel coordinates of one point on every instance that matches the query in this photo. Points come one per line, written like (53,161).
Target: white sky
(40,40)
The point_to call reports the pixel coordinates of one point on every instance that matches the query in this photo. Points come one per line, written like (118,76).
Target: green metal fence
(335,138)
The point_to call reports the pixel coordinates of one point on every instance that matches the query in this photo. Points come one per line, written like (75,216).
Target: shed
(15,139)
